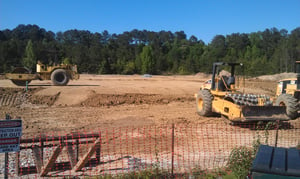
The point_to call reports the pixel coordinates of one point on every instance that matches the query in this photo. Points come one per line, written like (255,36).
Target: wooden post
(17,167)
(42,152)
(51,161)
(36,153)
(87,156)
(44,167)
(98,150)
(77,150)
(72,154)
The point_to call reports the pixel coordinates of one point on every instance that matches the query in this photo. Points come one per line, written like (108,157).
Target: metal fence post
(277,129)
(26,89)
(173,140)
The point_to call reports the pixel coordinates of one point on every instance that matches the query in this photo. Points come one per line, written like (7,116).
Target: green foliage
(129,68)
(103,67)
(240,161)
(211,174)
(182,70)
(241,158)
(147,60)
(263,52)
(66,61)
(148,174)
(29,59)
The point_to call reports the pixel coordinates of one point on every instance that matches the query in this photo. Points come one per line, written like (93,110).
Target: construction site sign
(10,133)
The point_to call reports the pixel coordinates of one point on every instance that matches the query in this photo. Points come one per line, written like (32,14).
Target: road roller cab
(222,97)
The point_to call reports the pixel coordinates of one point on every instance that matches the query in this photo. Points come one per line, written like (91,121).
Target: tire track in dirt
(10,100)
(12,97)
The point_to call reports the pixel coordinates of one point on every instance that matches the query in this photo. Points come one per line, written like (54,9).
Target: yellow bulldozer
(220,95)
(288,93)
(58,74)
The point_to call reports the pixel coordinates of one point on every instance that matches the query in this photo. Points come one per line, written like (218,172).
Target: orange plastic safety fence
(131,150)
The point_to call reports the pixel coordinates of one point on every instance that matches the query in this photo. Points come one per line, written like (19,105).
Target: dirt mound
(203,75)
(224,73)
(208,76)
(276,77)
(11,98)
(131,98)
(43,100)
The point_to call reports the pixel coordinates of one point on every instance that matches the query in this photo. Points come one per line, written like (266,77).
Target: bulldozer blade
(264,113)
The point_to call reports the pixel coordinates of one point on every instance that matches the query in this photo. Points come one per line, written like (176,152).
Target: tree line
(141,51)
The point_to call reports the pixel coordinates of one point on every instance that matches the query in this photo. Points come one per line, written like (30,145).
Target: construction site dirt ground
(135,115)
(109,101)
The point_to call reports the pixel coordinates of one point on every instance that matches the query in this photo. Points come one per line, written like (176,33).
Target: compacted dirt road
(106,101)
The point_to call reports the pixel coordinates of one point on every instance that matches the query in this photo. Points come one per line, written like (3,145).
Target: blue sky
(201,18)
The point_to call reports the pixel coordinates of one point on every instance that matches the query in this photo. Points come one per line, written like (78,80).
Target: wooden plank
(57,138)
(86,157)
(72,153)
(51,161)
(37,157)
(17,167)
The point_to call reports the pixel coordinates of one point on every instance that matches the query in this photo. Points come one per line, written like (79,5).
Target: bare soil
(136,114)
(106,101)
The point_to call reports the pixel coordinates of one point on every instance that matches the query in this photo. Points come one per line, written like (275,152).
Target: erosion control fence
(177,149)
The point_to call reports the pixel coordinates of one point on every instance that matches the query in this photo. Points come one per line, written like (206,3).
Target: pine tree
(29,59)
(147,60)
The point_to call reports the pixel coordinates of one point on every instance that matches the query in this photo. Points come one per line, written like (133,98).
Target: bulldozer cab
(222,82)
(286,86)
(291,85)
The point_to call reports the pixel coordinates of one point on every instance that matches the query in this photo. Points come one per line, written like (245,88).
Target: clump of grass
(210,174)
(196,173)
(145,174)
